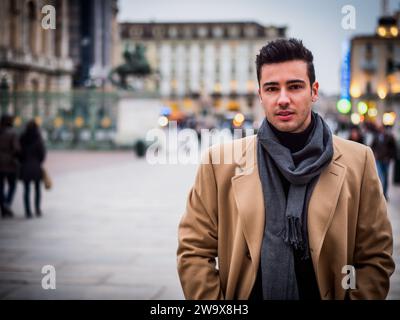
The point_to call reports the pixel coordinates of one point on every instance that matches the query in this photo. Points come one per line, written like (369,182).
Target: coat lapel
(323,203)
(249,200)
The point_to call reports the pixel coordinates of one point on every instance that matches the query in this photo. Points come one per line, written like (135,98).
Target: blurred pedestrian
(356,135)
(9,148)
(384,147)
(33,153)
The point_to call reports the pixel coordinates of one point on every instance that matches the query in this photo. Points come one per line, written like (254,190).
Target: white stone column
(209,67)
(194,63)
(243,62)
(226,68)
(165,69)
(180,69)
(62,32)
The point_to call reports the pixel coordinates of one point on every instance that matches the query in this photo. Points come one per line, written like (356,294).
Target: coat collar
(249,199)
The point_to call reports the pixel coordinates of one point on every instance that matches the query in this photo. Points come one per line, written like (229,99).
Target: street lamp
(382,92)
(344,106)
(362,107)
(387,27)
(389,118)
(355,90)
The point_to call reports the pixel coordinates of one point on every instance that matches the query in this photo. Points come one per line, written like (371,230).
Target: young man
(299,215)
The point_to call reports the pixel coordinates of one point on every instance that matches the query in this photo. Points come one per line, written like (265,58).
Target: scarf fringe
(293,236)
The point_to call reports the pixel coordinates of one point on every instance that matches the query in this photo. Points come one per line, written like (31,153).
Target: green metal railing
(84,119)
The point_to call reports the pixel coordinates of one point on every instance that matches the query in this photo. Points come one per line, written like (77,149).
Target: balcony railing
(11,58)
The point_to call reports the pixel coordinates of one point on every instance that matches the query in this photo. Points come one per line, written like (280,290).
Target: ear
(314,91)
(259,94)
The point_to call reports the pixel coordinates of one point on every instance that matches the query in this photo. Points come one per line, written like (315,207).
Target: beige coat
(225,219)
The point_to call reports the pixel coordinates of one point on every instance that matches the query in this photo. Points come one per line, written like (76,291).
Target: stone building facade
(201,58)
(80,51)
(33,58)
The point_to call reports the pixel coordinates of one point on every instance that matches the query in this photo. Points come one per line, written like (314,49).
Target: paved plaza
(109,229)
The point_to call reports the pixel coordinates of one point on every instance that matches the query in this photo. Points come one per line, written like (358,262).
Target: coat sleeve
(374,241)
(198,238)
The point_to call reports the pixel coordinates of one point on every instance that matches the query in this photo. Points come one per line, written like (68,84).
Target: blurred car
(236,120)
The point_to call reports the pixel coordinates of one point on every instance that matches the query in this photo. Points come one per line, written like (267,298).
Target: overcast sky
(316,22)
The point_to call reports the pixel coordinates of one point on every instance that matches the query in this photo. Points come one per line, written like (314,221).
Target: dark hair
(31,133)
(282,50)
(6,121)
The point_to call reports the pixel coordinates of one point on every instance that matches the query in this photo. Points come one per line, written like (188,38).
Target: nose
(283,99)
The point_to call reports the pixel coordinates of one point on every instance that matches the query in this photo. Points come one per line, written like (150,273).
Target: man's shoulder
(235,142)
(346,146)
(237,152)
(351,153)
(239,146)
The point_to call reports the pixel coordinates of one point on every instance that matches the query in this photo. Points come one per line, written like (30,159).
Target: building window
(173,32)
(389,66)
(158,32)
(250,32)
(250,68)
(202,32)
(368,51)
(271,32)
(234,32)
(390,48)
(281,32)
(218,32)
(136,32)
(14,7)
(187,32)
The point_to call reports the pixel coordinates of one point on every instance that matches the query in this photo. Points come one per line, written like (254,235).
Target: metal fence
(84,119)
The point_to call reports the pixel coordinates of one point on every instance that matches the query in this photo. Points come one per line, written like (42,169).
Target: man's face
(286,95)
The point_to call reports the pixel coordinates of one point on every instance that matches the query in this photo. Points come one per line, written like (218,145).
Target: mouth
(285,115)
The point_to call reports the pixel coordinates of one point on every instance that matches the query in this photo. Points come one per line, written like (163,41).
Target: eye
(271,89)
(296,87)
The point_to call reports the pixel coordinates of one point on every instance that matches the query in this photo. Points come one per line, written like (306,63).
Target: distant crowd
(383,144)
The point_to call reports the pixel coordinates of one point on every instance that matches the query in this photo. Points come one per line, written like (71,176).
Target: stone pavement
(109,229)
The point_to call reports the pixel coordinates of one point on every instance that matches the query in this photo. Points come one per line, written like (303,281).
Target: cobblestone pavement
(110,230)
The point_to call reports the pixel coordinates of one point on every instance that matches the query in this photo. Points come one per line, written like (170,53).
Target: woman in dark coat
(33,153)
(9,149)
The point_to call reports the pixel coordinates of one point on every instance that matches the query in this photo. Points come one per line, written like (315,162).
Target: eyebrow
(274,83)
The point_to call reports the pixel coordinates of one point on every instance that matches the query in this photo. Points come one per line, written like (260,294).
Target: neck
(294,141)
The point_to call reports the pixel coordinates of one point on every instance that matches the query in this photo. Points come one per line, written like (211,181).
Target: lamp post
(92,104)
(4,94)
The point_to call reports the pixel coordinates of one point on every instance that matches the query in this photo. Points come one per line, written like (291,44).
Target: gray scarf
(286,219)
